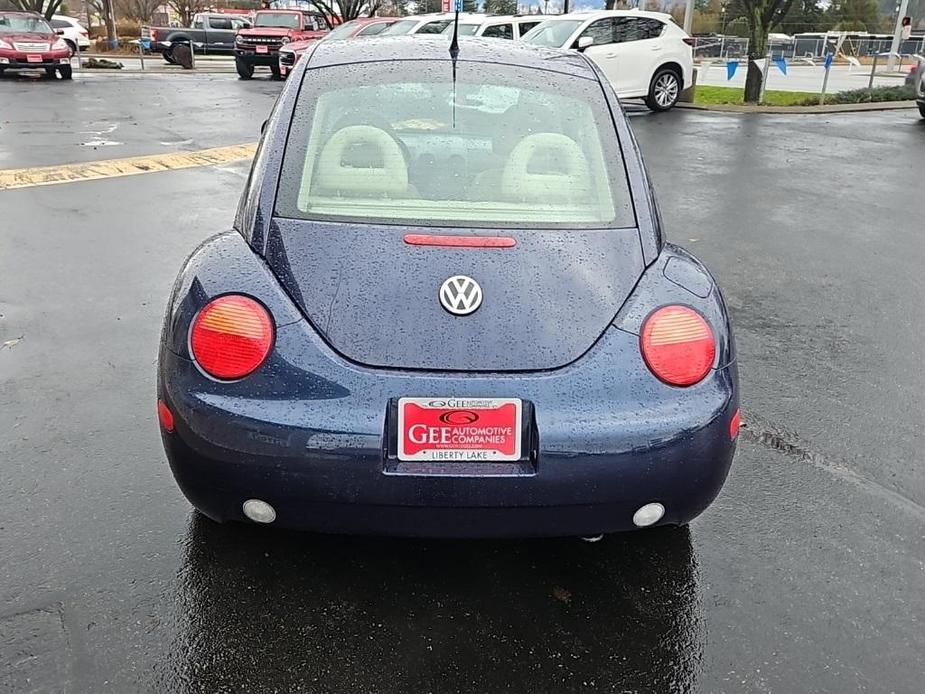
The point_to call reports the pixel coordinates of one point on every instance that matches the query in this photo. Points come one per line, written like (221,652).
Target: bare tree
(187,8)
(349,9)
(140,10)
(39,6)
(762,16)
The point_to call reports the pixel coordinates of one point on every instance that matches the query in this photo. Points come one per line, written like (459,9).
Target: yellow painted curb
(131,166)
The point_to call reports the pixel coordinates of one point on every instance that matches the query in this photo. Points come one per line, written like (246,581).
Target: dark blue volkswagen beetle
(447,309)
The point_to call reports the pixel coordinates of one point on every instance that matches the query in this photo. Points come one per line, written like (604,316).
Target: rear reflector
(460,241)
(165,416)
(677,345)
(231,337)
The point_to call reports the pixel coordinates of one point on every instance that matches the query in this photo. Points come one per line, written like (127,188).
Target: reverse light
(231,337)
(677,345)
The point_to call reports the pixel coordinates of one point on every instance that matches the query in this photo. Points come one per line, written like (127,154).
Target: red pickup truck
(260,44)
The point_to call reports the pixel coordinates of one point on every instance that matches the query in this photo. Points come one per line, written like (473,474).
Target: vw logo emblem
(460,295)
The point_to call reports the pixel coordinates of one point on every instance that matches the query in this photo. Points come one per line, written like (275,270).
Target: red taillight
(165,416)
(689,41)
(231,336)
(153,34)
(734,424)
(677,345)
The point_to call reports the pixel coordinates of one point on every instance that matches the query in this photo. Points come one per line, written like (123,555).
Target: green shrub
(868,96)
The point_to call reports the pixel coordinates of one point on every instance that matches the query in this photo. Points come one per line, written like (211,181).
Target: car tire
(664,90)
(66,72)
(245,71)
(50,72)
(277,75)
(168,57)
(922,110)
(71,45)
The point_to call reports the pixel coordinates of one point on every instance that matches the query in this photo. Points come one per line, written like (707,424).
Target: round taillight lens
(678,345)
(231,337)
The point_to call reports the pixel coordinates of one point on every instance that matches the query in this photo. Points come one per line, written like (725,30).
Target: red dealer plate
(262,49)
(33,58)
(459,429)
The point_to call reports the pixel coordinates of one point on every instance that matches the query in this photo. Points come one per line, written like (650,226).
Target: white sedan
(643,54)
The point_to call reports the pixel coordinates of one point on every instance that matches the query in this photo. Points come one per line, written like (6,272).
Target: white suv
(74,34)
(643,54)
(498,27)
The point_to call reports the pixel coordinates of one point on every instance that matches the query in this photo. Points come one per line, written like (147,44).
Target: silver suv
(916,79)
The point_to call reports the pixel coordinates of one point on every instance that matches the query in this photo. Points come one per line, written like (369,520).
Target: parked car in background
(75,35)
(423,24)
(916,80)
(643,54)
(360,28)
(499,27)
(27,42)
(259,45)
(209,33)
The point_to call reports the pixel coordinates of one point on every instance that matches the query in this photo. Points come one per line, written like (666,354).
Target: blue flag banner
(828,61)
(781,65)
(731,68)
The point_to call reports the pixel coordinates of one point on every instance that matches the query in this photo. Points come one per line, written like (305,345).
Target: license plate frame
(263,49)
(33,58)
(447,430)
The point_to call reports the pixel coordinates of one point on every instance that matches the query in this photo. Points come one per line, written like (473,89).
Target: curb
(828,108)
(151,71)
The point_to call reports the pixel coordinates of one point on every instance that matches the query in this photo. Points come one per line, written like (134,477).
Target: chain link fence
(812,47)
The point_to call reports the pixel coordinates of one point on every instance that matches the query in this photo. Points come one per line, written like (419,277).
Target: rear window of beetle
(406,144)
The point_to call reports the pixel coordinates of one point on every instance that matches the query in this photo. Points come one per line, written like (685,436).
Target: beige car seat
(361,161)
(547,168)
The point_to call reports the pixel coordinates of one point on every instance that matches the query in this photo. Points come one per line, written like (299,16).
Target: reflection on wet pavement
(324,613)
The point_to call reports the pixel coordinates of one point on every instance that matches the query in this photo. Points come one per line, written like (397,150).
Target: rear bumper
(314,447)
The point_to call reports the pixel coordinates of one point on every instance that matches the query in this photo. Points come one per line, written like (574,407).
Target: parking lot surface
(805,575)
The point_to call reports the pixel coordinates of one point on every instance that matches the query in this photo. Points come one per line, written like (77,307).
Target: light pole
(897,36)
(722,33)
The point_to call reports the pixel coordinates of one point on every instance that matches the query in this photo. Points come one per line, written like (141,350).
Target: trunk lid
(375,299)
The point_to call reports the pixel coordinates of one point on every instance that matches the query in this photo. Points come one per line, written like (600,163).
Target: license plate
(33,58)
(262,49)
(459,429)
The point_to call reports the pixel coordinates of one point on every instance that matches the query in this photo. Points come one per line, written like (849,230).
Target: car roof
(436,47)
(371,20)
(602,14)
(496,19)
(21,14)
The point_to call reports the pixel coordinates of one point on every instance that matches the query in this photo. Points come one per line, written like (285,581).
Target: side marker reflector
(735,423)
(165,416)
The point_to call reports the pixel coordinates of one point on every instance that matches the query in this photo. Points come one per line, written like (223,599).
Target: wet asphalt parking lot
(805,575)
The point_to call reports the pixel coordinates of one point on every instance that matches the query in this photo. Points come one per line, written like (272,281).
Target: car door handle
(610,55)
(656,48)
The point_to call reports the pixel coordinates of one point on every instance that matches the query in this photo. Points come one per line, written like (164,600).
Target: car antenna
(454,52)
(454,44)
